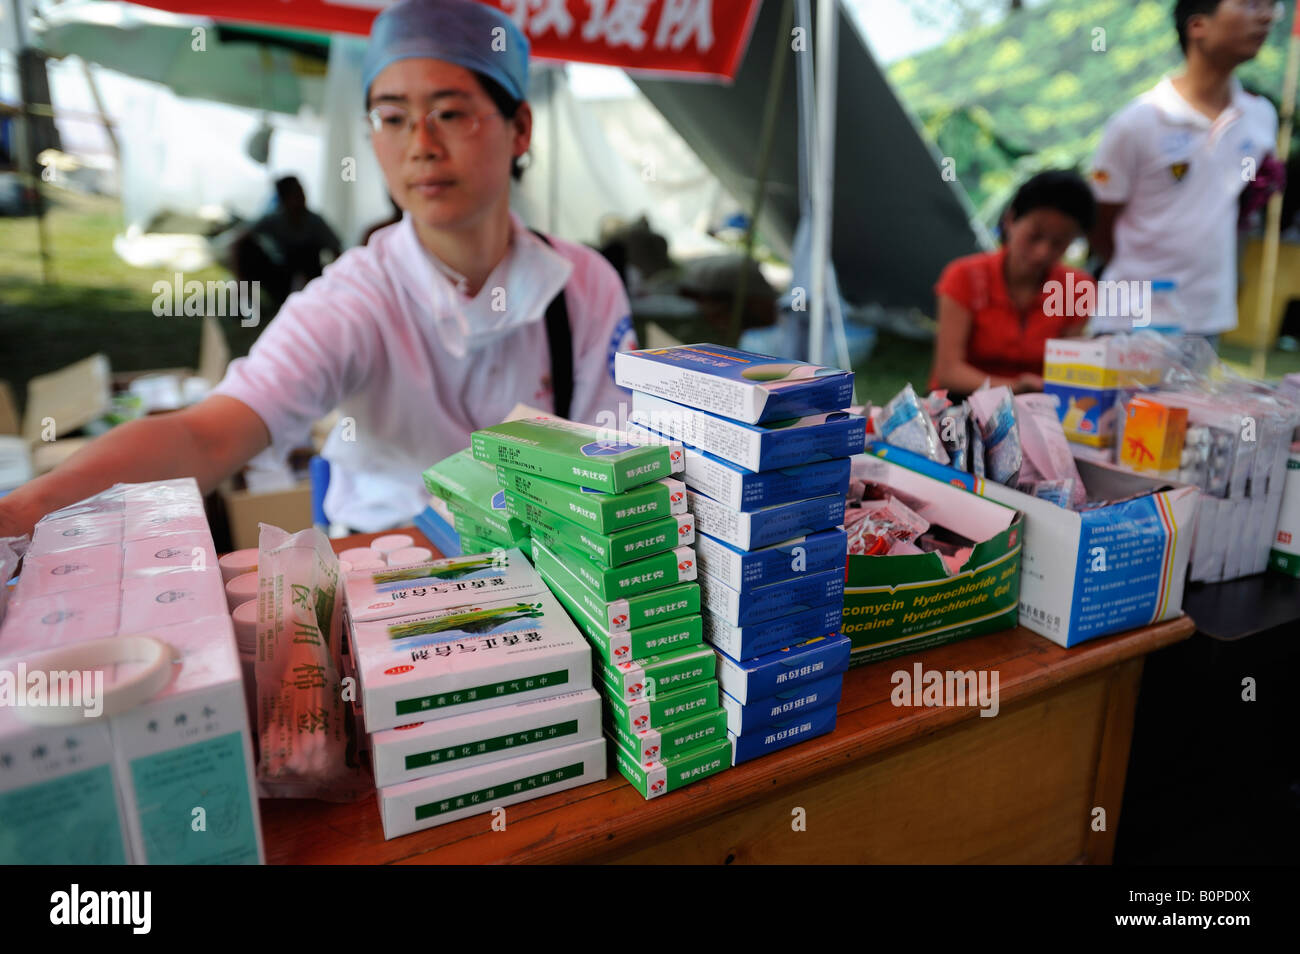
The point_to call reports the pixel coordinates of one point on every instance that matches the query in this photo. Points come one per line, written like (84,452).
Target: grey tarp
(896,221)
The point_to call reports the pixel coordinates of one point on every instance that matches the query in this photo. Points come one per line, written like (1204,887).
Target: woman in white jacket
(436,327)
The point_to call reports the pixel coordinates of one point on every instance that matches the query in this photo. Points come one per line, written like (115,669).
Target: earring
(525,160)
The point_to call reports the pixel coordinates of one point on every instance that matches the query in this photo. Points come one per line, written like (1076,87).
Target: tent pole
(1273,224)
(776,80)
(824,173)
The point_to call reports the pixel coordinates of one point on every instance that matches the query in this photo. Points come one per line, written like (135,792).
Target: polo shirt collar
(1171,104)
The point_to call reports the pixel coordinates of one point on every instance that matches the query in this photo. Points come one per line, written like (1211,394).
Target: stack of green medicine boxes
(477,505)
(620,559)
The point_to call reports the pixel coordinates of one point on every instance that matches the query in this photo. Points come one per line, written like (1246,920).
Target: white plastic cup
(237,564)
(409,556)
(245,617)
(394,541)
(240,590)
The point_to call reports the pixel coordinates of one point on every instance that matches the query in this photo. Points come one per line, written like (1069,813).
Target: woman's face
(444,180)
(1036,241)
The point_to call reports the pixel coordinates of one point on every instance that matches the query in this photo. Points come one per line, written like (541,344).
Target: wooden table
(889,785)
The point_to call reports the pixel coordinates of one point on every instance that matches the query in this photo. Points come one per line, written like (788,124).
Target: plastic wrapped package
(306,746)
(994,411)
(905,423)
(875,525)
(1046,451)
(954,431)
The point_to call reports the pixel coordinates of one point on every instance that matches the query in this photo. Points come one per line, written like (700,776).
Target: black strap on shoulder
(559,336)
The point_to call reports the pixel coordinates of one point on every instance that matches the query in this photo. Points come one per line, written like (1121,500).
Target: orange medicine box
(1153,435)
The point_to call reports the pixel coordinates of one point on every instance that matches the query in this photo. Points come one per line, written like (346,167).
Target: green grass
(894,362)
(93,302)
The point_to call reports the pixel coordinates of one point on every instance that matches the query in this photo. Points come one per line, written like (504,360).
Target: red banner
(697,37)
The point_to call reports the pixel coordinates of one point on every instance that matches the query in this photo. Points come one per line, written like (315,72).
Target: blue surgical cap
(473,35)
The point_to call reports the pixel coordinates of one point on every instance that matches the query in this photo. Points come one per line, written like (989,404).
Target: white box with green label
(426,749)
(59,803)
(427,802)
(185,758)
(467,658)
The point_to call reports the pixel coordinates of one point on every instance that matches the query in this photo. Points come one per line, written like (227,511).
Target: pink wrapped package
(56,534)
(170,598)
(44,622)
(75,569)
(169,552)
(1047,457)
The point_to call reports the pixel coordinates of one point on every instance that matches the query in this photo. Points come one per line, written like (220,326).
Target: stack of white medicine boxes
(475,687)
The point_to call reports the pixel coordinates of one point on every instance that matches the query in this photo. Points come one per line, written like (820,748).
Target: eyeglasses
(448,124)
(1260,6)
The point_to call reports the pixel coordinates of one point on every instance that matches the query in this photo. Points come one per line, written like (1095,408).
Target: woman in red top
(997,309)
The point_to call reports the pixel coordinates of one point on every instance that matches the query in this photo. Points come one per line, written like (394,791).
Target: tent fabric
(1035,90)
(897,222)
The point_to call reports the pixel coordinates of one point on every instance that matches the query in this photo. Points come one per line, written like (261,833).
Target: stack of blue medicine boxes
(767,469)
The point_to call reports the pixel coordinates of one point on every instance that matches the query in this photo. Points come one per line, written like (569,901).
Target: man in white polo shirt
(436,327)
(1170,170)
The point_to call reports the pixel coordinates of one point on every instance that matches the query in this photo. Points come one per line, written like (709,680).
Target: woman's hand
(1027,383)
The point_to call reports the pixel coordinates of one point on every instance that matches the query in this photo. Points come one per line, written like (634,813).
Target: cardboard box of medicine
(639,642)
(427,802)
(784,670)
(758,639)
(769,525)
(498,531)
(190,746)
(781,735)
(612,549)
(648,745)
(425,749)
(760,713)
(788,560)
(1153,435)
(653,779)
(740,489)
(440,584)
(601,512)
(737,384)
(472,545)
(1284,557)
(246,510)
(1090,378)
(467,658)
(761,603)
(647,678)
(664,708)
(899,604)
(651,573)
(755,447)
(575,454)
(59,801)
(463,478)
(1096,572)
(618,616)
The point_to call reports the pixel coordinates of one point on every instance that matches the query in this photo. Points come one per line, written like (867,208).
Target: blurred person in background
(283,250)
(997,309)
(1172,166)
